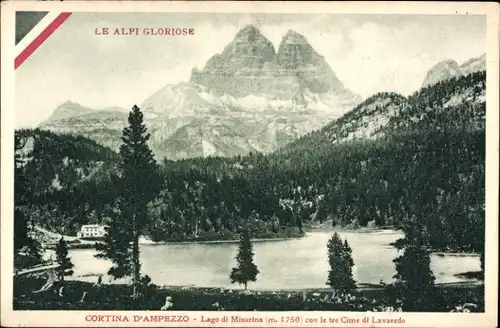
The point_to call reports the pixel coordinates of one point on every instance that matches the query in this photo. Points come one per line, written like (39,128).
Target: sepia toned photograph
(248,162)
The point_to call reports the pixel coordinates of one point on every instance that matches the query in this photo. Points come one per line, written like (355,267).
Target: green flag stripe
(26,21)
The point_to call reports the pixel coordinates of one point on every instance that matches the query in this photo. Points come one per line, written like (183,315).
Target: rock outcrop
(474,65)
(448,69)
(442,71)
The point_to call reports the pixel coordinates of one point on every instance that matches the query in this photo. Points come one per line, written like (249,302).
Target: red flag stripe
(40,39)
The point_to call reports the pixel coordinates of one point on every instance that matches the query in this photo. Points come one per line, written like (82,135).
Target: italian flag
(32,29)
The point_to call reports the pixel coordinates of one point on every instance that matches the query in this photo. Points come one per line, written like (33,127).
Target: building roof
(91,226)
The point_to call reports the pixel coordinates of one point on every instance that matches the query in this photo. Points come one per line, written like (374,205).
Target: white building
(91,231)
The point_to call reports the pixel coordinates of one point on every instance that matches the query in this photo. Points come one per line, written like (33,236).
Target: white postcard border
(78,318)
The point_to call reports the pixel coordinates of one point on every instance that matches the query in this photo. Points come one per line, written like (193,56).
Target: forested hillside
(389,159)
(426,160)
(68,180)
(458,103)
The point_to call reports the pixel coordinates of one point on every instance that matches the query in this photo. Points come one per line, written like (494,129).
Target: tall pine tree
(414,278)
(340,260)
(246,270)
(65,265)
(140,182)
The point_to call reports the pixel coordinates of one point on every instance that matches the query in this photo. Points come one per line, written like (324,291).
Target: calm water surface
(295,263)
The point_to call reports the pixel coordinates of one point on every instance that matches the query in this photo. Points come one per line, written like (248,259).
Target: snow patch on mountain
(208,148)
(181,99)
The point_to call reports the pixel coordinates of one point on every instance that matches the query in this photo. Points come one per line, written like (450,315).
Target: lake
(284,264)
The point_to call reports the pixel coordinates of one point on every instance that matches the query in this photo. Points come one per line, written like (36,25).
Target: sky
(368,53)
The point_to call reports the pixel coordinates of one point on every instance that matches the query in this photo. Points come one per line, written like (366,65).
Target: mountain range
(249,98)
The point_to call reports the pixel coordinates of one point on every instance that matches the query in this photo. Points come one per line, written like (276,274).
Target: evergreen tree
(65,266)
(246,270)
(341,263)
(414,278)
(140,182)
(116,246)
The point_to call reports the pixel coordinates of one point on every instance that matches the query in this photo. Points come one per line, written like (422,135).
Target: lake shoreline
(146,241)
(222,241)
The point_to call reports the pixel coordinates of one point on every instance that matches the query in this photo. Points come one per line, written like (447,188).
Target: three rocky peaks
(250,75)
(250,65)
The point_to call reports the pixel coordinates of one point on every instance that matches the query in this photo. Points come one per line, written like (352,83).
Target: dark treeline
(69,180)
(428,165)
(436,176)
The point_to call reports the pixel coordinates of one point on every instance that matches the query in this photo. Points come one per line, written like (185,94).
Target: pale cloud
(385,58)
(368,53)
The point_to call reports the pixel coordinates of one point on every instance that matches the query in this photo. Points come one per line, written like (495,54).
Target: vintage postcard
(242,164)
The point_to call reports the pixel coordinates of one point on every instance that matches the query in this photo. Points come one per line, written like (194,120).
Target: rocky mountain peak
(474,65)
(296,54)
(449,68)
(293,37)
(69,109)
(294,51)
(448,64)
(248,52)
(249,65)
(443,70)
(249,33)
(70,104)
